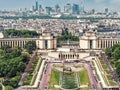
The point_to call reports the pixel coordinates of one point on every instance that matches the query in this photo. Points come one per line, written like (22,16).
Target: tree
(118,69)
(6,82)
(6,48)
(116,53)
(108,52)
(14,81)
(67,36)
(115,46)
(0,87)
(15,53)
(1,51)
(25,57)
(21,66)
(12,65)
(21,33)
(9,88)
(117,62)
(30,46)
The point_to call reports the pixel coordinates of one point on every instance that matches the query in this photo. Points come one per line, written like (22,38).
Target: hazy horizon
(88,4)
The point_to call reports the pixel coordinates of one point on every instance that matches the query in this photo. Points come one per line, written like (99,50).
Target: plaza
(70,67)
(89,73)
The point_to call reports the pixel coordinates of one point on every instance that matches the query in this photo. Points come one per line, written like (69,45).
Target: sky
(89,4)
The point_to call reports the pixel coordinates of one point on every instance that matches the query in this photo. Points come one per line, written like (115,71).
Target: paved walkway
(92,77)
(37,80)
(46,77)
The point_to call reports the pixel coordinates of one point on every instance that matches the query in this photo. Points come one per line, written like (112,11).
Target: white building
(45,41)
(90,40)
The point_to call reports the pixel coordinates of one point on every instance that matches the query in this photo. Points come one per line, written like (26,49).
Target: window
(91,44)
(46,44)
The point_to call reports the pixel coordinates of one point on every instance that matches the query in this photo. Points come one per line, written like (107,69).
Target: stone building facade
(45,41)
(90,40)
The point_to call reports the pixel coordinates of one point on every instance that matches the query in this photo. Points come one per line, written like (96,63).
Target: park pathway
(46,77)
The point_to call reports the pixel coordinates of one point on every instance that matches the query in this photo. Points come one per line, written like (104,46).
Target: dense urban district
(59,54)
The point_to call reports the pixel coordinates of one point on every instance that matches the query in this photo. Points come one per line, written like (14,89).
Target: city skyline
(88,4)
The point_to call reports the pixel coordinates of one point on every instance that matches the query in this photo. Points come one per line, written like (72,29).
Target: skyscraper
(40,9)
(33,8)
(106,11)
(57,8)
(81,6)
(68,8)
(48,10)
(36,5)
(75,9)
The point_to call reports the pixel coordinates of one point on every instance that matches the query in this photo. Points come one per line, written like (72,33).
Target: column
(99,44)
(112,43)
(108,43)
(102,44)
(0,44)
(105,43)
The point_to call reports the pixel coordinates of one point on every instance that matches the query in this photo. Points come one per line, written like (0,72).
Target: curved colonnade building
(89,40)
(45,41)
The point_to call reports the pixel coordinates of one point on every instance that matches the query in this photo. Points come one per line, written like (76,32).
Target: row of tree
(67,36)
(114,55)
(6,88)
(21,33)
(13,62)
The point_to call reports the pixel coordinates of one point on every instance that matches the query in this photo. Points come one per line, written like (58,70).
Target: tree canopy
(9,88)
(21,33)
(67,36)
(30,46)
(12,64)
(114,53)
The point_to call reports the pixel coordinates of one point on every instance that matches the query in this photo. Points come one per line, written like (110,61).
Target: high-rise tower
(68,8)
(82,2)
(75,9)
(106,11)
(36,5)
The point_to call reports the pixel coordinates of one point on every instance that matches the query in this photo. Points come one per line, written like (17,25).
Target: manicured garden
(69,80)
(54,79)
(84,79)
(108,75)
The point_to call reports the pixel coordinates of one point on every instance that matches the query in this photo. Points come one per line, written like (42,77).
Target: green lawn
(102,62)
(54,79)
(112,83)
(109,77)
(84,78)
(107,71)
(104,66)
(29,78)
(85,89)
